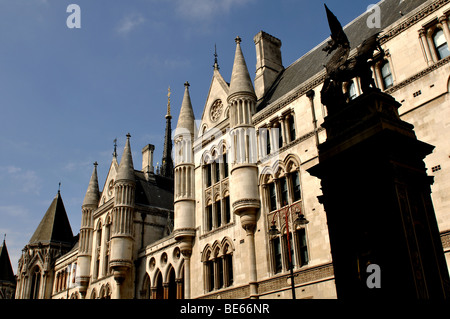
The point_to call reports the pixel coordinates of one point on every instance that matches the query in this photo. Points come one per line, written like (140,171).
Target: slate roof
(54,226)
(6,271)
(313,62)
(157,194)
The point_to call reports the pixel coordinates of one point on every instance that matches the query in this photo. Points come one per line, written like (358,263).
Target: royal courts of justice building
(199,225)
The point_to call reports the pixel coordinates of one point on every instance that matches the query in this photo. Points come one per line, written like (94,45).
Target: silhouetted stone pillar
(376,195)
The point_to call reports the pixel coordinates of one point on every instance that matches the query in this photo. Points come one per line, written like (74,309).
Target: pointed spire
(6,271)
(92,194)
(54,226)
(126,167)
(216,63)
(240,78)
(167,163)
(186,119)
(168,104)
(115,148)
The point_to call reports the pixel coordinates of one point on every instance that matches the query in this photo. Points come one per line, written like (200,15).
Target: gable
(216,108)
(108,188)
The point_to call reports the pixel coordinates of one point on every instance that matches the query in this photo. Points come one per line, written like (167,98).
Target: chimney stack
(147,160)
(268,62)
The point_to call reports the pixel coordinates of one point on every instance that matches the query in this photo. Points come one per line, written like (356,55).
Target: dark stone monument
(377,197)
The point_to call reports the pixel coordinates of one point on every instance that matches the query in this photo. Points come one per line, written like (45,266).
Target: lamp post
(300,221)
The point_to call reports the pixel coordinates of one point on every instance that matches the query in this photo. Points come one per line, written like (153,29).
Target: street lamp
(299,221)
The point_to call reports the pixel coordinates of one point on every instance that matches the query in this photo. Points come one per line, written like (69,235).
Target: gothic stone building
(209,231)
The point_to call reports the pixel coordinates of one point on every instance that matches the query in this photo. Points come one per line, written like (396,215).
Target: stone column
(431,45)
(166,290)
(186,251)
(153,292)
(310,94)
(444,23)
(253,279)
(283,130)
(179,283)
(426,46)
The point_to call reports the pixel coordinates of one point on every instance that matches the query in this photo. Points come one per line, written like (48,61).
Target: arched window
(279,131)
(282,214)
(105,292)
(291,125)
(265,134)
(225,164)
(216,168)
(209,217)
(159,287)
(228,265)
(172,287)
(302,247)
(35,283)
(106,269)
(296,190)
(208,269)
(218,269)
(283,191)
(98,250)
(217,212)
(440,44)
(217,209)
(272,195)
(227,208)
(208,174)
(352,92)
(146,287)
(218,266)
(276,255)
(386,75)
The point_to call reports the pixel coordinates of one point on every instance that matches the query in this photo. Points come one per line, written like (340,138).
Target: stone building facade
(241,172)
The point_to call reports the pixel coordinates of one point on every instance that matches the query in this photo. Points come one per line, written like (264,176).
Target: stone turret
(242,101)
(122,227)
(90,204)
(52,238)
(184,204)
(244,172)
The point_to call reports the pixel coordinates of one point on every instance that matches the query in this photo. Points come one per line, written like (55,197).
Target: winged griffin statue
(341,69)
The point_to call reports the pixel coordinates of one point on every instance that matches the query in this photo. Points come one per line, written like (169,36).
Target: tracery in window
(282,195)
(98,250)
(217,210)
(218,266)
(106,269)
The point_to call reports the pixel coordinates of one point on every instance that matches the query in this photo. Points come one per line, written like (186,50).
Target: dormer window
(440,44)
(434,38)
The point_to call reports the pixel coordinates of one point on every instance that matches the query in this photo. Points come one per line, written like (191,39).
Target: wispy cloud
(15,211)
(26,181)
(164,63)
(77,166)
(129,23)
(207,9)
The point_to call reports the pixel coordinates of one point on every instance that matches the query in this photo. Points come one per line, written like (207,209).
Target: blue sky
(66,94)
